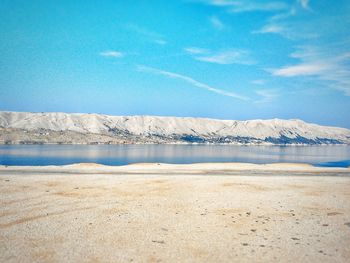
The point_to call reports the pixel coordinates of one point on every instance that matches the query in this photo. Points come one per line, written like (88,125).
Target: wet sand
(175,213)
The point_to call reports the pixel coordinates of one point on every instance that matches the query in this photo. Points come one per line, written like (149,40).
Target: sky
(224,59)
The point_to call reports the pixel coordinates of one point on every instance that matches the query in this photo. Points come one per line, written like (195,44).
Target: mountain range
(76,128)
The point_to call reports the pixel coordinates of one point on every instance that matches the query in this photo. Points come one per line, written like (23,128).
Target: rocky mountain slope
(25,127)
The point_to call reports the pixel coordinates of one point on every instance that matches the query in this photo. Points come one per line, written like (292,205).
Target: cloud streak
(223,57)
(148,34)
(217,23)
(112,54)
(289,25)
(240,6)
(303,69)
(330,69)
(196,50)
(191,81)
(267,95)
(304,4)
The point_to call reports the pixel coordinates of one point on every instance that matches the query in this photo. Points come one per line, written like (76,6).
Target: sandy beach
(175,213)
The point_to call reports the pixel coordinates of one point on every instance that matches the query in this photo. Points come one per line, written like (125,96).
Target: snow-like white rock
(172,126)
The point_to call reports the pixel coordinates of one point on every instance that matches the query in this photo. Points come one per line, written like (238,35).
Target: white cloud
(228,57)
(191,81)
(216,22)
(302,69)
(267,95)
(239,6)
(196,50)
(289,25)
(270,28)
(160,41)
(258,81)
(304,4)
(330,69)
(224,57)
(148,34)
(112,53)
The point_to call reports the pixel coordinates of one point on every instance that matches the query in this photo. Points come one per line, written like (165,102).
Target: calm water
(125,154)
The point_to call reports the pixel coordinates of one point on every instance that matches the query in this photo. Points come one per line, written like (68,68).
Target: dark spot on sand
(325,225)
(334,213)
(158,241)
(245,244)
(253,230)
(347,224)
(295,238)
(7,180)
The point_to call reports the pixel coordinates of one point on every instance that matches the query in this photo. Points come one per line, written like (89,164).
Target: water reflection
(125,154)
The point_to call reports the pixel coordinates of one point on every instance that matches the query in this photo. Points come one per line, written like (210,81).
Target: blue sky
(231,59)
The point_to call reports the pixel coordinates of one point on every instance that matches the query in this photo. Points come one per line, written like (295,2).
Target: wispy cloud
(303,69)
(217,23)
(196,50)
(258,81)
(304,4)
(240,6)
(191,81)
(223,57)
(289,25)
(331,69)
(266,95)
(270,28)
(112,54)
(148,34)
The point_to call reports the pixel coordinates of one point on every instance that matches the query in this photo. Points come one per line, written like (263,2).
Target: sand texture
(174,213)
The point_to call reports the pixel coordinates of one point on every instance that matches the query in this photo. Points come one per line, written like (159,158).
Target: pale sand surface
(175,213)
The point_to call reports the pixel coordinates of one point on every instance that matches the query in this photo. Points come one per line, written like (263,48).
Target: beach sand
(175,213)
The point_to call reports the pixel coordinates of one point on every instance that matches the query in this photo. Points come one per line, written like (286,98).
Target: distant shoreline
(164,168)
(182,143)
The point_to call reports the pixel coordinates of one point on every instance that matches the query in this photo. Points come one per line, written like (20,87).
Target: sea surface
(332,156)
